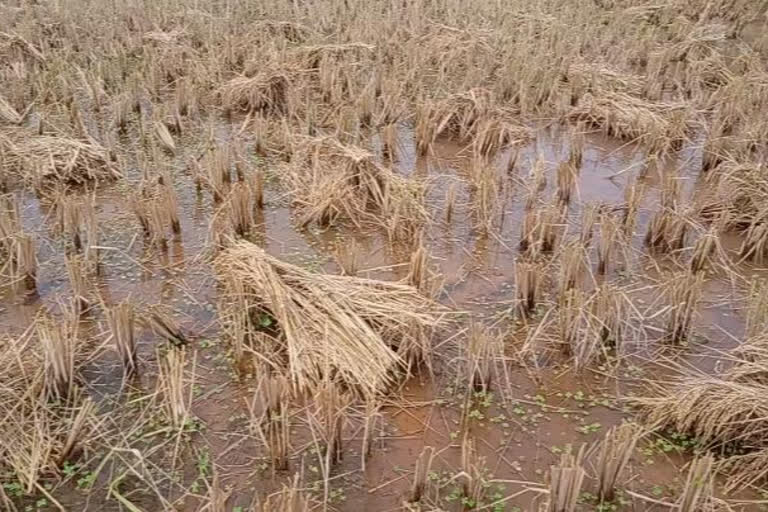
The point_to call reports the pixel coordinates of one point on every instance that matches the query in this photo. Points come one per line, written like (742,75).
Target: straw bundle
(63,160)
(351,325)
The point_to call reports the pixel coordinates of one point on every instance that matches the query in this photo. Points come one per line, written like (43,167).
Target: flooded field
(316,280)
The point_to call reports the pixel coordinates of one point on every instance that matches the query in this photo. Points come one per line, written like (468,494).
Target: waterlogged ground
(537,409)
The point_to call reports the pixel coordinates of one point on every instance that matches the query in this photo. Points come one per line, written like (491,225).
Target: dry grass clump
(699,486)
(591,324)
(122,324)
(272,423)
(567,173)
(8,113)
(174,388)
(613,455)
(241,208)
(352,326)
(738,200)
(23,261)
(156,208)
(59,344)
(683,292)
(565,481)
(338,182)
(757,309)
(164,137)
(727,414)
(327,418)
(482,349)
(528,277)
(291,498)
(48,160)
(38,438)
(571,324)
(10,222)
(487,202)
(347,256)
(541,228)
(472,118)
(629,117)
(268,92)
(609,231)
(573,267)
(422,273)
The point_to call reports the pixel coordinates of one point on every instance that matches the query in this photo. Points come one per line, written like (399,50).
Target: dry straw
(482,350)
(58,340)
(334,183)
(122,323)
(419,486)
(273,423)
(683,292)
(174,389)
(78,283)
(353,325)
(699,486)
(571,322)
(565,481)
(527,283)
(613,455)
(25,260)
(61,160)
(166,327)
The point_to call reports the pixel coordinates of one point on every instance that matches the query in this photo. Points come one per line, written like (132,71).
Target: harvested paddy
(386,256)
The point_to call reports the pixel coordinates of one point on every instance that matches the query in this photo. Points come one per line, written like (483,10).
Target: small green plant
(590,428)
(669,442)
(13,489)
(203,464)
(86,481)
(70,469)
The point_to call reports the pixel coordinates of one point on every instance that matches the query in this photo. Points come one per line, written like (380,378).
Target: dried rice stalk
(482,349)
(267,92)
(344,183)
(421,474)
(757,309)
(62,160)
(174,389)
(25,260)
(571,324)
(77,282)
(58,340)
(565,483)
(527,280)
(8,113)
(683,292)
(699,486)
(273,424)
(628,117)
(329,410)
(613,456)
(348,323)
(164,136)
(164,326)
(290,499)
(715,411)
(121,320)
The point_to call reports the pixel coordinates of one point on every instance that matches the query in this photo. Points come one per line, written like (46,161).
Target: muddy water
(538,409)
